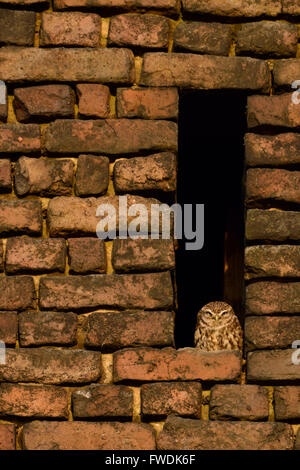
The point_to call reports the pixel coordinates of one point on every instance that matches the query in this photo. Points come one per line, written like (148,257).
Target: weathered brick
(147,364)
(166,5)
(162,399)
(203,71)
(19,139)
(287,403)
(265,298)
(286,72)
(103,401)
(3,103)
(194,434)
(272,225)
(272,185)
(275,150)
(245,402)
(235,8)
(94,100)
(34,401)
(96,65)
(147,103)
(87,436)
(291,7)
(23,217)
(207,38)
(5,176)
(51,366)
(139,255)
(1,256)
(273,111)
(297,442)
(70,29)
(17,27)
(110,331)
(271,332)
(44,102)
(25,2)
(17,293)
(7,436)
(267,39)
(111,136)
(87,255)
(272,261)
(269,366)
(43,176)
(8,327)
(154,173)
(149,291)
(47,328)
(147,31)
(24,254)
(74,215)
(92,175)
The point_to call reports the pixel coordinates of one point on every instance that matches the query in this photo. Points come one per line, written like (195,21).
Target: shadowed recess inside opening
(212,125)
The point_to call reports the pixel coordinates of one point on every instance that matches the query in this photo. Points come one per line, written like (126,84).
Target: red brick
(7,436)
(149,291)
(94,100)
(70,29)
(272,261)
(165,5)
(87,436)
(272,225)
(245,402)
(111,136)
(147,364)
(92,175)
(203,71)
(275,150)
(8,327)
(44,177)
(143,255)
(154,173)
(26,2)
(25,254)
(44,102)
(147,31)
(96,65)
(47,328)
(270,366)
(162,399)
(267,39)
(51,366)
(286,72)
(271,332)
(110,331)
(87,255)
(291,7)
(180,433)
(235,8)
(103,401)
(17,27)
(74,215)
(269,298)
(287,403)
(273,111)
(34,401)
(147,103)
(19,139)
(23,217)
(17,293)
(4,102)
(272,185)
(207,38)
(5,176)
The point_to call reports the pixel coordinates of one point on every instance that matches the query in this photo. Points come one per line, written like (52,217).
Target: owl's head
(215,314)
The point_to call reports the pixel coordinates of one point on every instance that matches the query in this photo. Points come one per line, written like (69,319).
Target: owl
(218,328)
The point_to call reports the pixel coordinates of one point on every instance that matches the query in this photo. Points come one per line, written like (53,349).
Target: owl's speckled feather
(218,328)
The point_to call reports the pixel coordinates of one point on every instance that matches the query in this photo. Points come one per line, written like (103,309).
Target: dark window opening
(212,126)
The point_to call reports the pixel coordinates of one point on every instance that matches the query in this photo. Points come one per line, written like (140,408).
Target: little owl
(218,328)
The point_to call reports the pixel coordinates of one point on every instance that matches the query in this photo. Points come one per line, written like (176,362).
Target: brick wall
(92,112)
